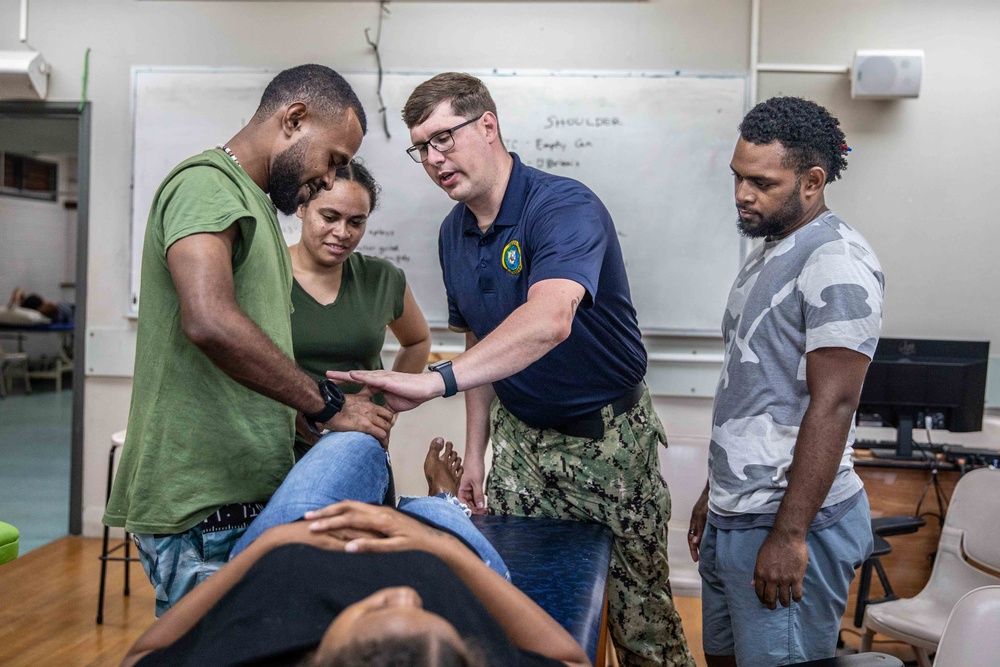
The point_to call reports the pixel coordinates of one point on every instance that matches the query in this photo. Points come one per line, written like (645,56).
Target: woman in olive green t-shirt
(344,300)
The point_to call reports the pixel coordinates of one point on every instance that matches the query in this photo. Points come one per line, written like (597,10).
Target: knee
(345,448)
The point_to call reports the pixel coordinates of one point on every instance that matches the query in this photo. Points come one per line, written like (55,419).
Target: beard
(286,178)
(787,215)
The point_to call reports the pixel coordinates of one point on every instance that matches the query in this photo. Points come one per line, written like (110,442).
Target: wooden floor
(48,606)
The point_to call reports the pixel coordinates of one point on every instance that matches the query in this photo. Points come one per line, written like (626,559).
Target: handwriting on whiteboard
(559,149)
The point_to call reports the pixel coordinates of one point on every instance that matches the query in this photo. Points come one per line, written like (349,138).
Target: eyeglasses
(441,142)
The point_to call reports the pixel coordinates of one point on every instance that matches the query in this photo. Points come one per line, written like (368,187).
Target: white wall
(922,179)
(32,246)
(920,186)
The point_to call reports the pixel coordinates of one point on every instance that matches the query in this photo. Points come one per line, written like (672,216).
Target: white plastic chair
(969,541)
(10,361)
(972,635)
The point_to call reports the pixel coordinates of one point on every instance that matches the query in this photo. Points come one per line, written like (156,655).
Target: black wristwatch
(444,368)
(334,399)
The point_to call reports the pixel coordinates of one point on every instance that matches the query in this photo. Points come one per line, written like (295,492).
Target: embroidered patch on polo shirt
(511,258)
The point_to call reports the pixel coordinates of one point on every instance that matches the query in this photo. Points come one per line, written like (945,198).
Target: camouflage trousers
(614,481)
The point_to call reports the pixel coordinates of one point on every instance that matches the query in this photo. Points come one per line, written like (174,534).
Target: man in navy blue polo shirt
(554,362)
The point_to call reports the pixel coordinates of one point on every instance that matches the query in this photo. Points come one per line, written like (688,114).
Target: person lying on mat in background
(59,312)
(344,300)
(360,584)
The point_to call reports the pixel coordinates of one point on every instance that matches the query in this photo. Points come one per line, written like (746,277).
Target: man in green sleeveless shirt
(216,390)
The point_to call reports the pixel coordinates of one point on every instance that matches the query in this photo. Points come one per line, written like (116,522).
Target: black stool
(117,440)
(881,528)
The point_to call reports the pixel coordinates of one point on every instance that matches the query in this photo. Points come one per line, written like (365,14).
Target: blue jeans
(735,622)
(353,466)
(175,564)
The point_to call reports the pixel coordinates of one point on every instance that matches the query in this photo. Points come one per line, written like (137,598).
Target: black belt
(591,425)
(227,517)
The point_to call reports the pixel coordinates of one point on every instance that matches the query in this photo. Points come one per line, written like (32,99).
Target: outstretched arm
(834,376)
(528,333)
(526,624)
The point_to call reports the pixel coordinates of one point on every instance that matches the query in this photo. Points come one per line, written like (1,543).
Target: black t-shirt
(280,609)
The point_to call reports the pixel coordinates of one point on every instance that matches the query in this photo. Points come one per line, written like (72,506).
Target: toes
(437,444)
(448,447)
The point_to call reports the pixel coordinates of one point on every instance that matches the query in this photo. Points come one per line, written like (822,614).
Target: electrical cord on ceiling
(383,7)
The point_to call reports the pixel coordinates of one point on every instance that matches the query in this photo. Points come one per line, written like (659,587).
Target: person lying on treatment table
(59,312)
(357,583)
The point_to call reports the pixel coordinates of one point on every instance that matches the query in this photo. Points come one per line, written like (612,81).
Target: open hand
(402,391)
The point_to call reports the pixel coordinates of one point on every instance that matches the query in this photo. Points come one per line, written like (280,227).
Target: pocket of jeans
(147,560)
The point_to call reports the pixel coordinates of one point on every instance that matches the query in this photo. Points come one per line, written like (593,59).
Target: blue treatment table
(562,566)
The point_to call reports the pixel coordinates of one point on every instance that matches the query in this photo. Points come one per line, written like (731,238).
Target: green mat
(9,537)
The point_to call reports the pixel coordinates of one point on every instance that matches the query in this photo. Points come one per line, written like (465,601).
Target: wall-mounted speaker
(24,75)
(887,73)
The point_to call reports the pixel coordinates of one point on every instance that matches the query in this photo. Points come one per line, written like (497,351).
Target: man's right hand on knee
(360,414)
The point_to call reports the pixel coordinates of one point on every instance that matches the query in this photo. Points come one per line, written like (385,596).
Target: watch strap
(334,401)
(448,375)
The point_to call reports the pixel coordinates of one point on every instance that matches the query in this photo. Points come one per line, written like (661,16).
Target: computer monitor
(911,379)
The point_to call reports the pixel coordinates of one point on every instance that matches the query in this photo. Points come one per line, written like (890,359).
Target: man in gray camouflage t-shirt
(784,519)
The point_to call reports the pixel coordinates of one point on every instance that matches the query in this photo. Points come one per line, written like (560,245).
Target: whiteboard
(654,147)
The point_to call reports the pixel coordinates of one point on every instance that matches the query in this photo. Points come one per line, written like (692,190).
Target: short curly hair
(810,135)
(316,85)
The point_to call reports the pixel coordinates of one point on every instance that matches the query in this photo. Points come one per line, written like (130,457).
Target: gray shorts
(736,623)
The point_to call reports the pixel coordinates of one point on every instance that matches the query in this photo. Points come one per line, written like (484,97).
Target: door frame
(82,113)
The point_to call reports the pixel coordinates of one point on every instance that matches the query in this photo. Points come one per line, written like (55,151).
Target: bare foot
(442,468)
